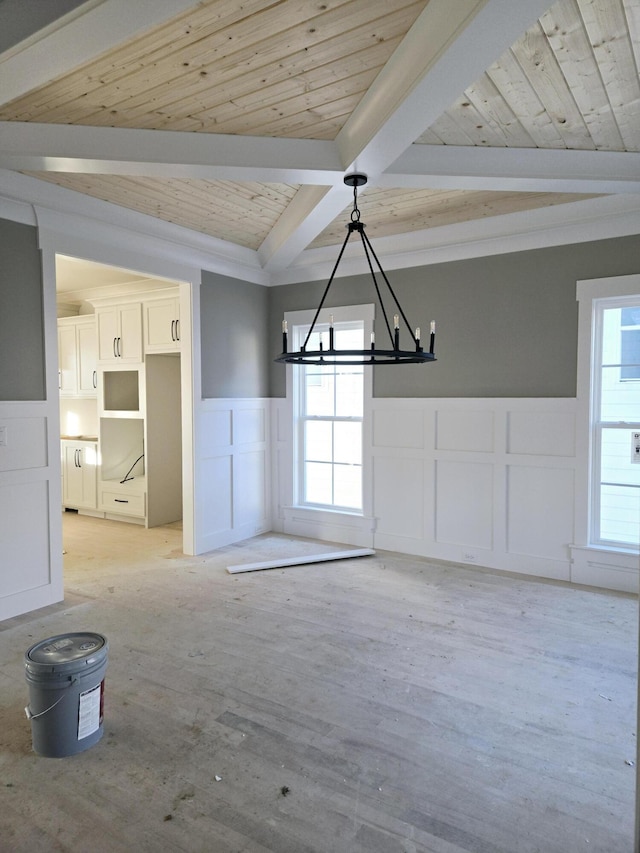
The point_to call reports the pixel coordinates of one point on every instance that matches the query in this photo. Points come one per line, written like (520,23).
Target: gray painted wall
(22,363)
(234,322)
(506,324)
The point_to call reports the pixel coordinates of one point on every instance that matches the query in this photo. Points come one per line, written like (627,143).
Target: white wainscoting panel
(490,482)
(474,432)
(216,510)
(25,553)
(215,428)
(497,479)
(25,443)
(540,511)
(249,426)
(392,431)
(30,501)
(542,433)
(404,518)
(233,471)
(464,501)
(250,478)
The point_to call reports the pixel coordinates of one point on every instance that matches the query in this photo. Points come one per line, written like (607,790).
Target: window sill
(610,568)
(607,549)
(329,525)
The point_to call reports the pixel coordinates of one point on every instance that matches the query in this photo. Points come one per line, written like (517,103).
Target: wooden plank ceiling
(302,69)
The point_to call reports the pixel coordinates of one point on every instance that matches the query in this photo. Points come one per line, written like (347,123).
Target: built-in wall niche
(121,446)
(121,390)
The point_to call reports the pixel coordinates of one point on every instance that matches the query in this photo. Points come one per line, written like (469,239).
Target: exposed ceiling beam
(514,169)
(28,146)
(298,225)
(80,39)
(449,46)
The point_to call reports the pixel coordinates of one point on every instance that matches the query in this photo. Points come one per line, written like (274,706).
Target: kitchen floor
(383,703)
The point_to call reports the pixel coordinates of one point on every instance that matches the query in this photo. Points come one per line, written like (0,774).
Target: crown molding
(577,222)
(75,215)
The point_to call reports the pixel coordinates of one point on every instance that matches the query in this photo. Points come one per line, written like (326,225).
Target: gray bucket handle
(32,716)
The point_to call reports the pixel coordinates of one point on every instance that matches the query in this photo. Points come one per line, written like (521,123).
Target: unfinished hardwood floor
(383,704)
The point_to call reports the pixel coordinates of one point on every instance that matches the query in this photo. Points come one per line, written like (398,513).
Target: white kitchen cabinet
(77,356)
(161,325)
(116,498)
(122,489)
(120,333)
(87,358)
(141,441)
(79,474)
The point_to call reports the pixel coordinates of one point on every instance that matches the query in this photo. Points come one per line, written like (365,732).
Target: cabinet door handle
(59,380)
(120,347)
(173,330)
(177,330)
(95,379)
(75,459)
(115,347)
(120,501)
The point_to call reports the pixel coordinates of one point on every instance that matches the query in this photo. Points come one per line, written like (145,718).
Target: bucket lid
(77,649)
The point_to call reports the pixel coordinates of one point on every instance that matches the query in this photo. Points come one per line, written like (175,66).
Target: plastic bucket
(65,675)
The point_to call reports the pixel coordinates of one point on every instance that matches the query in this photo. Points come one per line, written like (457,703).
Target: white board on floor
(299,561)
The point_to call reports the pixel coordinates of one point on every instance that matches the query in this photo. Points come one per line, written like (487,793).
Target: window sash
(615,480)
(335,480)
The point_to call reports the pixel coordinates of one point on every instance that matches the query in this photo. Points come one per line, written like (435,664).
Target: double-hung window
(615,495)
(328,414)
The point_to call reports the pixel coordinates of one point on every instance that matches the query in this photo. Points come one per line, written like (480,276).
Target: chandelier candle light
(395,355)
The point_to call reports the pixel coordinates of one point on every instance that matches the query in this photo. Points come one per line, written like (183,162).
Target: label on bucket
(90,711)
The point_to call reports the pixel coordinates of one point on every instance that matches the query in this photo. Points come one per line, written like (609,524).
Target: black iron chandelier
(373,355)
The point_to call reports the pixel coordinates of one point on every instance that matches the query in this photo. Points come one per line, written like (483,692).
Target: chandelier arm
(365,246)
(388,283)
(326,290)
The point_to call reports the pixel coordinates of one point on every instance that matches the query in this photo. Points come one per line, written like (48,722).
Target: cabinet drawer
(123,502)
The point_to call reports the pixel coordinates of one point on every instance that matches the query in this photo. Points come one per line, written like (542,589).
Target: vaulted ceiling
(238,120)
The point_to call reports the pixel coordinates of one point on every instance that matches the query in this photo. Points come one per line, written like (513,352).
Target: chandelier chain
(355,213)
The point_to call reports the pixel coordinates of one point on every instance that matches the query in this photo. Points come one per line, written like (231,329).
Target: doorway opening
(124,395)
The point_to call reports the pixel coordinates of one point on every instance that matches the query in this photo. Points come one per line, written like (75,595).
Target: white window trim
(588,294)
(324,523)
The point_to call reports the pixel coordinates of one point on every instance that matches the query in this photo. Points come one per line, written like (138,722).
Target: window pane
(348,486)
(631,316)
(317,483)
(319,392)
(620,515)
(630,351)
(620,492)
(615,464)
(620,400)
(349,392)
(318,441)
(348,443)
